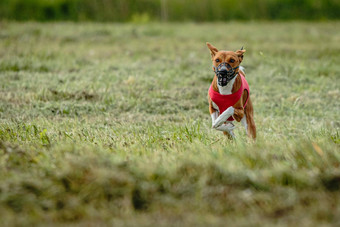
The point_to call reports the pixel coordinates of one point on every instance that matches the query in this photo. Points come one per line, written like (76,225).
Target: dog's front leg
(213,112)
(227,128)
(224,127)
(223,117)
(214,116)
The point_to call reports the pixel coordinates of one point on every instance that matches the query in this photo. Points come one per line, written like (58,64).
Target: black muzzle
(224,73)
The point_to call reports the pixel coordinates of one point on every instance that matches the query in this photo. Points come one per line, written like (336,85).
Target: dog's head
(225,63)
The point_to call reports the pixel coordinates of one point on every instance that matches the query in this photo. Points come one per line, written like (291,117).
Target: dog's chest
(225,90)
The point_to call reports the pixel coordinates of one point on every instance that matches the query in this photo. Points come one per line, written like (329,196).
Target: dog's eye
(217,60)
(232,60)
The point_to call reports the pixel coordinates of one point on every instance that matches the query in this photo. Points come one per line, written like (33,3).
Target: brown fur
(226,56)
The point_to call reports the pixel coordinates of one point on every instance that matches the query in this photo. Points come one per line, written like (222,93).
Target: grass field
(108,124)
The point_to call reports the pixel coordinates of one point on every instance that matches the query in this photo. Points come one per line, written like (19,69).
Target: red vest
(225,101)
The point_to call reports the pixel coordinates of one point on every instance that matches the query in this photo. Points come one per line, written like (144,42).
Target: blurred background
(142,11)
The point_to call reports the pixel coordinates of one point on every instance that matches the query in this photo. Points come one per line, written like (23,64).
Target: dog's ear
(240,53)
(213,50)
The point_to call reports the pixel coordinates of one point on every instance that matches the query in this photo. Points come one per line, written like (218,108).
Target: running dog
(229,96)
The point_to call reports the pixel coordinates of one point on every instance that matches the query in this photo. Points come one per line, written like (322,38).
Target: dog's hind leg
(251,128)
(244,122)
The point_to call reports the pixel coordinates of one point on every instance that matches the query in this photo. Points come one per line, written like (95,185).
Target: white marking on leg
(232,134)
(214,116)
(244,122)
(224,116)
(227,127)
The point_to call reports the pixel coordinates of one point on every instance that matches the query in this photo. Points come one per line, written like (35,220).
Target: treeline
(168,10)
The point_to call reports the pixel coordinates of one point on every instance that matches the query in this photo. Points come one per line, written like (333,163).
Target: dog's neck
(227,90)
(231,87)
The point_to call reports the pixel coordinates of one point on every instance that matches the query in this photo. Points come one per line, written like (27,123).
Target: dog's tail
(251,129)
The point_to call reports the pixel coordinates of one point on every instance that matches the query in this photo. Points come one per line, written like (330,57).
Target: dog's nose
(223,70)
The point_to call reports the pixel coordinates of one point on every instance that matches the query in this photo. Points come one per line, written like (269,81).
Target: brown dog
(229,93)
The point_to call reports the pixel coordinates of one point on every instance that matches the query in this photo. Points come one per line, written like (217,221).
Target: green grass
(109,124)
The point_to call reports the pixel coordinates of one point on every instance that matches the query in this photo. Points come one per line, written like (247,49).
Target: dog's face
(230,59)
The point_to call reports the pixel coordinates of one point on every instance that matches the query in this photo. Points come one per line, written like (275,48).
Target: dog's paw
(228,127)
(218,123)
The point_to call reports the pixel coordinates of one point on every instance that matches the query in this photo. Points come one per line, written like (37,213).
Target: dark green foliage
(172,10)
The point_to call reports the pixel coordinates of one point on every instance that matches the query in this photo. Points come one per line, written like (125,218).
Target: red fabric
(225,101)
